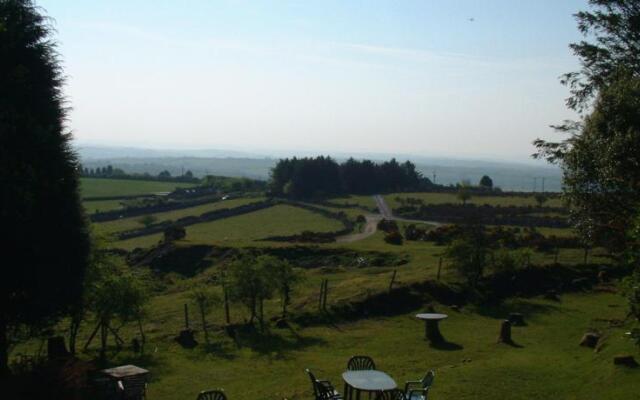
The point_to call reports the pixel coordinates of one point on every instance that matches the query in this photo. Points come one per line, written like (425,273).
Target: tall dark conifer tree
(44,234)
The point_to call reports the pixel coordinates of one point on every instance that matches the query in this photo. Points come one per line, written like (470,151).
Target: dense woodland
(323,176)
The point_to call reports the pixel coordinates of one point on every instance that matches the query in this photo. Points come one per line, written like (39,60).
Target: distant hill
(507,175)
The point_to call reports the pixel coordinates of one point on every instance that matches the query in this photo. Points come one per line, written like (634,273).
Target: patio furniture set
(129,382)
(362,376)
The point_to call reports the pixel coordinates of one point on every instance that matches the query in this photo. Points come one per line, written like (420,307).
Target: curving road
(371,226)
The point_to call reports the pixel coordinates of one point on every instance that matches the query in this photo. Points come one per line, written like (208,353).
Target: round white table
(367,381)
(431,326)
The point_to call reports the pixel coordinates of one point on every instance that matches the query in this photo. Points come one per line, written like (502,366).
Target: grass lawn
(280,220)
(92,207)
(95,187)
(132,223)
(441,198)
(365,201)
(546,363)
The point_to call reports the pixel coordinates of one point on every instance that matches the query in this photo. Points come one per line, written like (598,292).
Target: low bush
(388,226)
(393,238)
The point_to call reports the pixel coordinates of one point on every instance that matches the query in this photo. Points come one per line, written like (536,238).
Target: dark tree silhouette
(46,237)
(322,176)
(486,182)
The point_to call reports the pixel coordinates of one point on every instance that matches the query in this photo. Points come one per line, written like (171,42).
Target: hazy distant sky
(467,78)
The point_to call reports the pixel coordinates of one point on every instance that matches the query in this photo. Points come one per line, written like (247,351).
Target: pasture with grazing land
(101,187)
(546,348)
(199,273)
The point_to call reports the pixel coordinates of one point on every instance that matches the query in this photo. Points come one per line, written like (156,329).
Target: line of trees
(323,176)
(249,281)
(110,172)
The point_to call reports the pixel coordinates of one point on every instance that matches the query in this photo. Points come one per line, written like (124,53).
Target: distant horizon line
(268,153)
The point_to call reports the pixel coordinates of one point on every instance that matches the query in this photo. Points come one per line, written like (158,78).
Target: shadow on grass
(515,345)
(524,307)
(271,344)
(446,346)
(218,349)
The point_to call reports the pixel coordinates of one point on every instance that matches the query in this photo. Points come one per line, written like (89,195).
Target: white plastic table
(431,326)
(368,381)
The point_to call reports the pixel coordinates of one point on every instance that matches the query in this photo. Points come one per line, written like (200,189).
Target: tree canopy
(47,240)
(613,28)
(600,158)
(323,176)
(486,182)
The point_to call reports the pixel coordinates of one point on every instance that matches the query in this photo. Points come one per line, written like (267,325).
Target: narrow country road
(383,208)
(371,226)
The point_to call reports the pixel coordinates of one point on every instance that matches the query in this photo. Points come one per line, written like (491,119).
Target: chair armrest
(410,383)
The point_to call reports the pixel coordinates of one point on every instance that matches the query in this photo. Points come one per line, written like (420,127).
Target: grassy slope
(93,187)
(549,363)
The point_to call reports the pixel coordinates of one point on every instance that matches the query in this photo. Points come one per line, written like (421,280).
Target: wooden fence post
(393,279)
(324,296)
(586,254)
(186,316)
(320,296)
(226,304)
(439,268)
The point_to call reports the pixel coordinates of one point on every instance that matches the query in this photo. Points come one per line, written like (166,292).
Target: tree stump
(186,338)
(56,348)
(590,339)
(516,319)
(603,276)
(552,295)
(625,360)
(505,332)
(282,323)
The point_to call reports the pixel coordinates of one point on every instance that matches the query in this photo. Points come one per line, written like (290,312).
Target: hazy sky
(467,78)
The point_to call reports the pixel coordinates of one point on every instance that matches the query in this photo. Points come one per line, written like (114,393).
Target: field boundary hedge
(192,220)
(486,214)
(130,212)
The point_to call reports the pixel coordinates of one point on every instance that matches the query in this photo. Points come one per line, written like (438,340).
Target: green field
(97,187)
(280,220)
(92,207)
(125,224)
(442,198)
(365,202)
(545,363)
